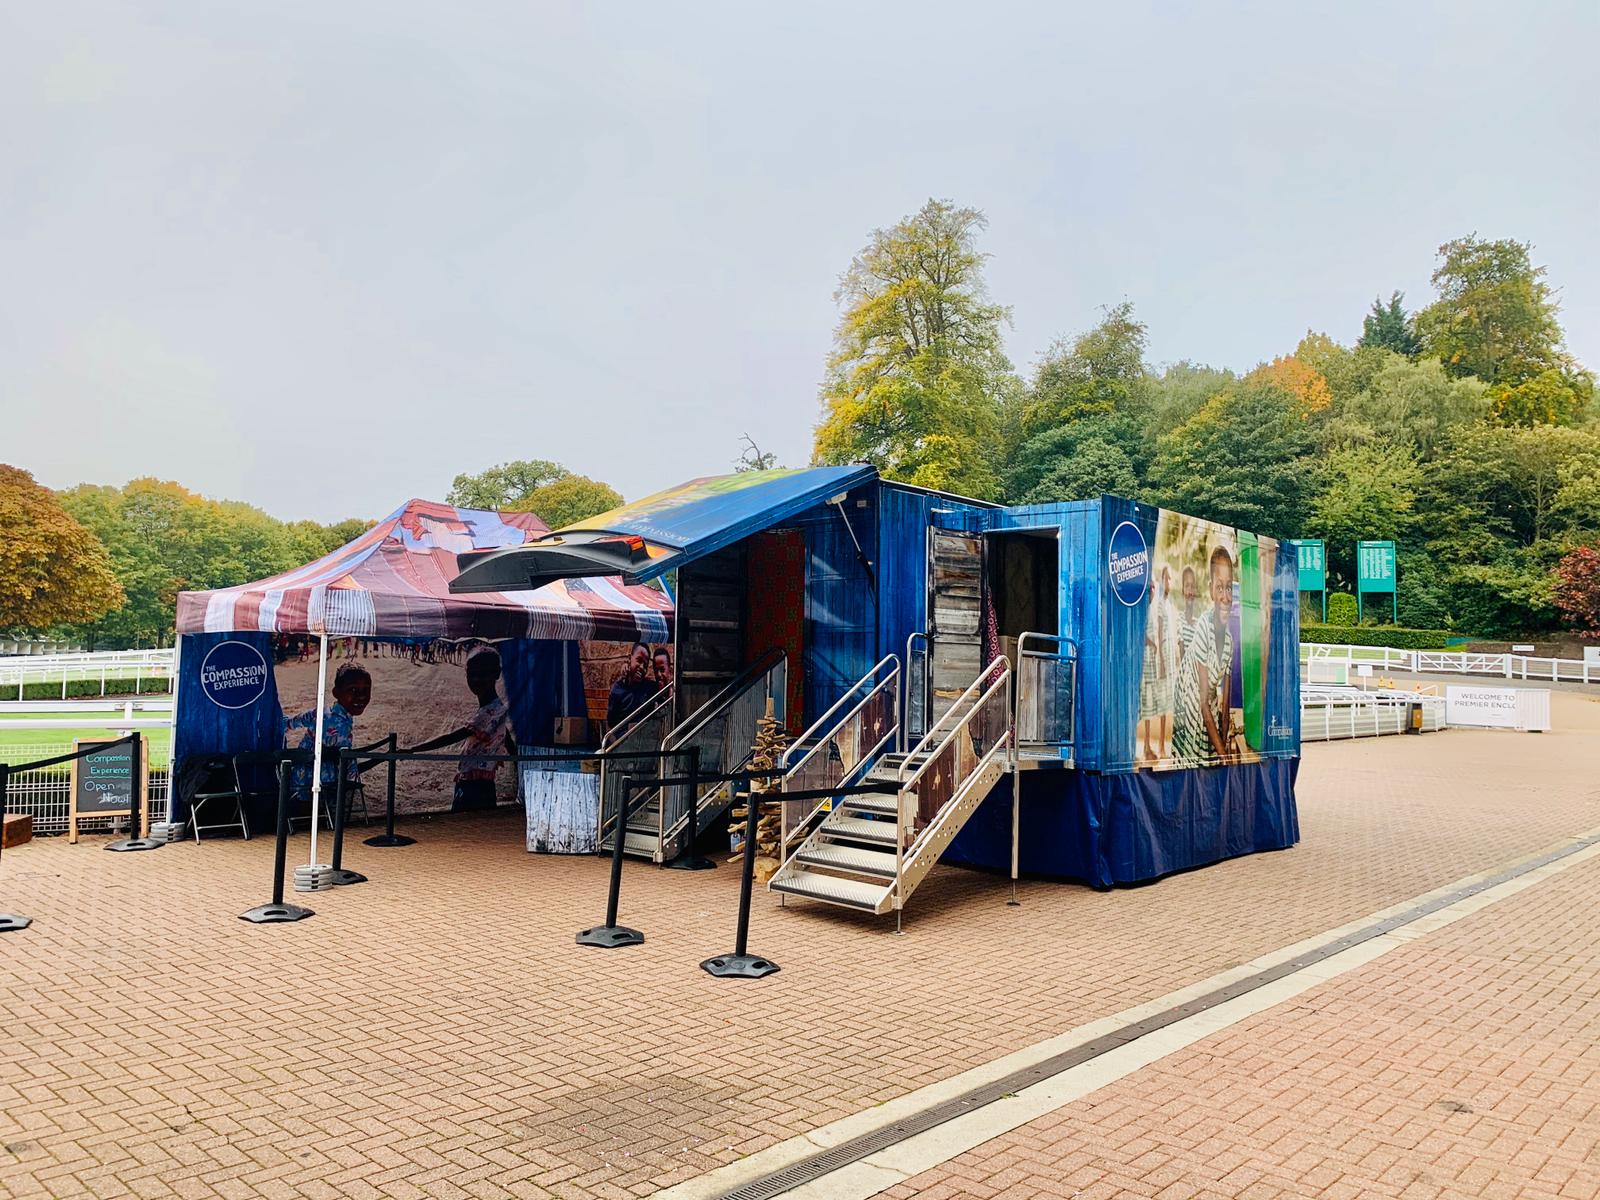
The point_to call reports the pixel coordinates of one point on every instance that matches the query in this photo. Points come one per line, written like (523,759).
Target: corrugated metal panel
(904,515)
(1078,525)
(841,607)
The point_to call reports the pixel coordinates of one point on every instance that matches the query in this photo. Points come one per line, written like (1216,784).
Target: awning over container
(394,581)
(661,532)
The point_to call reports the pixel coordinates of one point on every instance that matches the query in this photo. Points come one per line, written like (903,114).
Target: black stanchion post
(139,802)
(686,859)
(341,877)
(611,935)
(277,911)
(9,922)
(389,837)
(740,964)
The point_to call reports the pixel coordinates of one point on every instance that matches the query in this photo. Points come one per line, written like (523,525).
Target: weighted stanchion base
(609,937)
(390,839)
(273,914)
(125,845)
(739,966)
(10,922)
(691,862)
(344,878)
(313,877)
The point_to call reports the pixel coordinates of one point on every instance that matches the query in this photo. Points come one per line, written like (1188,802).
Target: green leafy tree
(53,571)
(1551,397)
(1080,459)
(501,487)
(1096,374)
(1180,392)
(1495,316)
(916,378)
(1366,491)
(1389,327)
(1414,402)
(567,500)
(1241,460)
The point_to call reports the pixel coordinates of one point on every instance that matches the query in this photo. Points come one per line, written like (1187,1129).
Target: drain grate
(853,1151)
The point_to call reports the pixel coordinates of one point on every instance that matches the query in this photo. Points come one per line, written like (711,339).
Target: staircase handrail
(977,686)
(649,709)
(891,681)
(905,708)
(758,672)
(1072,659)
(730,692)
(817,725)
(1002,681)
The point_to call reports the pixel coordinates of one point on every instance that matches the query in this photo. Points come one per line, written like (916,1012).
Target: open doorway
(1023,584)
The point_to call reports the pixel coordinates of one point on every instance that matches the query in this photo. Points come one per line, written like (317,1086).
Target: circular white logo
(233,675)
(1129,563)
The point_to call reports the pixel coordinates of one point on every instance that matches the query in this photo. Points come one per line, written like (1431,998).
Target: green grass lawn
(59,740)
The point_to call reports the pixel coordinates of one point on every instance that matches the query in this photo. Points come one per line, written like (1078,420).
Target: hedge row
(86,689)
(1377,635)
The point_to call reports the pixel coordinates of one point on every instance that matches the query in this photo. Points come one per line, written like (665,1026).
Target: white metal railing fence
(99,670)
(1333,713)
(1455,662)
(44,791)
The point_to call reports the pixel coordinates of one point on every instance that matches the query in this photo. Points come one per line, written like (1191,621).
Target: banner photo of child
(1202,645)
(438,695)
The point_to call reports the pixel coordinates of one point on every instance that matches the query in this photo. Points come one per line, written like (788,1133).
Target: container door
(955,616)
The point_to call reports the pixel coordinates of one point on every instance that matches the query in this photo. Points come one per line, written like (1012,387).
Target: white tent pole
(316,752)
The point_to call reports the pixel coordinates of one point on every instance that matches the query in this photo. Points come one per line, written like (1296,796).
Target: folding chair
(218,783)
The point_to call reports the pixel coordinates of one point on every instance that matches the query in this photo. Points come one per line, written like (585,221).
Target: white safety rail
(1454,662)
(43,792)
(1334,713)
(99,669)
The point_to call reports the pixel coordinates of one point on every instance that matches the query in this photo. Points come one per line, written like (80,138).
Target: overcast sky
(322,257)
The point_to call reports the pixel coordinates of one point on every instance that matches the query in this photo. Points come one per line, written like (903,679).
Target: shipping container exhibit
(1098,690)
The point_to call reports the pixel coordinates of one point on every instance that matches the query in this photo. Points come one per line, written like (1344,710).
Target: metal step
(849,858)
(858,829)
(883,805)
(852,893)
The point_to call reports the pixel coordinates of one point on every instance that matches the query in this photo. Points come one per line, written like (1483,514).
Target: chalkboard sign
(104,784)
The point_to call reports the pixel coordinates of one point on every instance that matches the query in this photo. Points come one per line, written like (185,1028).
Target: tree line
(1464,430)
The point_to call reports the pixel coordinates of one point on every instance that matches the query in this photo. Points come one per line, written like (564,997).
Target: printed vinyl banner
(466,699)
(1211,607)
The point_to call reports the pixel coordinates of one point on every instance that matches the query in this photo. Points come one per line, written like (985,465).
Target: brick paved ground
(1464,1064)
(435,1032)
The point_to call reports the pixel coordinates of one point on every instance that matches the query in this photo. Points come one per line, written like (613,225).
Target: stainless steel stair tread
(854,893)
(859,829)
(849,858)
(883,805)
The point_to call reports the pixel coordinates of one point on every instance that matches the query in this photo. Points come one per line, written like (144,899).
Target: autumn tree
(53,571)
(1578,589)
(1305,383)
(916,377)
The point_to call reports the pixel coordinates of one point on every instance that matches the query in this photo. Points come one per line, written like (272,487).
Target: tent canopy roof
(394,581)
(652,536)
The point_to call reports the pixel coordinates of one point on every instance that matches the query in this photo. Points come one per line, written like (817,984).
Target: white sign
(1523,649)
(1497,708)
(1364,670)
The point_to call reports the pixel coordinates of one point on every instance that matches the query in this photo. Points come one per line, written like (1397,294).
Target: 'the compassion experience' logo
(1129,563)
(233,675)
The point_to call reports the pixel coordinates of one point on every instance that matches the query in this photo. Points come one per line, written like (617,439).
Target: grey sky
(321,257)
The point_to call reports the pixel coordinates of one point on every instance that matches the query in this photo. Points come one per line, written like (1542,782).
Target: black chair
(218,782)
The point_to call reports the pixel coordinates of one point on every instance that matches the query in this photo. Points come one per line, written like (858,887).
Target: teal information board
(1375,573)
(1313,559)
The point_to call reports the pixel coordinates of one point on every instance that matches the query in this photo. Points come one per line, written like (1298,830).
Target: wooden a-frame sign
(102,784)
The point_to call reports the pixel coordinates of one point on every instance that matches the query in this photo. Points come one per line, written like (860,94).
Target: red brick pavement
(435,1032)
(1464,1064)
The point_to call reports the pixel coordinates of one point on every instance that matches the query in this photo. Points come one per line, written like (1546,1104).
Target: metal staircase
(870,852)
(723,730)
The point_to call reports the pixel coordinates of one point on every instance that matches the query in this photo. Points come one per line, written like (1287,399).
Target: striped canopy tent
(394,581)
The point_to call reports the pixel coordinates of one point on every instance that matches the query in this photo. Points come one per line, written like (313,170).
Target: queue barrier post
(611,935)
(277,911)
(389,837)
(686,859)
(9,922)
(138,811)
(741,964)
(340,876)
